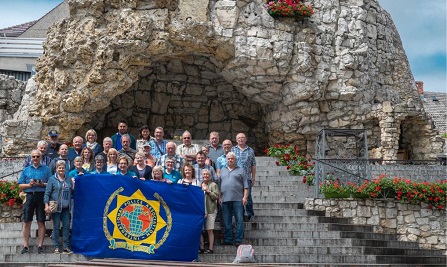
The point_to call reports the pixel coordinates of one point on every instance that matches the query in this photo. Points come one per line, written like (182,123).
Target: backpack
(245,254)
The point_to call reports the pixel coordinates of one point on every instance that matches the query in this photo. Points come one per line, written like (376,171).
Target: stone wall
(10,214)
(411,222)
(11,93)
(345,67)
(187,95)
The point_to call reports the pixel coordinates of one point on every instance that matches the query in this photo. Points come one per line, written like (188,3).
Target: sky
(421,26)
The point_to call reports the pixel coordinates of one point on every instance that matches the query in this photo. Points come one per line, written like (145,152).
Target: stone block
(412,237)
(389,223)
(432,240)
(414,231)
(373,220)
(409,218)
(363,211)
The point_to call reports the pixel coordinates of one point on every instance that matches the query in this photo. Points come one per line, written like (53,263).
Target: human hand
(244,201)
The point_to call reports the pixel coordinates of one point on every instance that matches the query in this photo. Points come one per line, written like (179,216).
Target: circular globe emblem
(136,219)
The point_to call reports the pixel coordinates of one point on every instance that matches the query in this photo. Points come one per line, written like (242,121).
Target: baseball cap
(146,143)
(53,133)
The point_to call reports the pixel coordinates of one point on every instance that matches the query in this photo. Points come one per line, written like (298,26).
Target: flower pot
(359,195)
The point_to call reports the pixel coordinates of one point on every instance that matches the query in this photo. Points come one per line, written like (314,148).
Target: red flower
(277,163)
(304,180)
(288,167)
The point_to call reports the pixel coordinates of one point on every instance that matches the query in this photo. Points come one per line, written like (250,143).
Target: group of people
(226,174)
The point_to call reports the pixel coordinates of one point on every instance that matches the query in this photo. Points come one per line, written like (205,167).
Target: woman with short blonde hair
(90,141)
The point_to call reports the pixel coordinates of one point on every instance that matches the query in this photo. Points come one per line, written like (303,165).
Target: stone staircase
(282,232)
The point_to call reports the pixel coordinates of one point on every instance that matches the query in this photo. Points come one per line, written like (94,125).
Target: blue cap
(53,133)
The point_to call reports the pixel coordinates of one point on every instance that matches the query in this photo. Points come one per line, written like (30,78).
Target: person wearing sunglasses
(188,150)
(33,181)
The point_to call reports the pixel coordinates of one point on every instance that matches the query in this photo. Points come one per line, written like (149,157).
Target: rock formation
(227,65)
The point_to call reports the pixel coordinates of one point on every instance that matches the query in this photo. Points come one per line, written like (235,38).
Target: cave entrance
(186,93)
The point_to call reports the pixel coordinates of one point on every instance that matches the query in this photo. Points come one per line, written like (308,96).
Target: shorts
(34,202)
(209,221)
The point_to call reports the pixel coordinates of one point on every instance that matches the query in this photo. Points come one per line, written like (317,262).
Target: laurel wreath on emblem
(157,196)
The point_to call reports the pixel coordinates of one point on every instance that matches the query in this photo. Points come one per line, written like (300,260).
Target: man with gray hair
(170,153)
(44,160)
(126,150)
(158,144)
(246,155)
(188,150)
(33,181)
(107,143)
(215,150)
(233,196)
(78,145)
(53,144)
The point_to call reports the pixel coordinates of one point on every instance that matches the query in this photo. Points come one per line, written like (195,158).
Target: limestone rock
(163,62)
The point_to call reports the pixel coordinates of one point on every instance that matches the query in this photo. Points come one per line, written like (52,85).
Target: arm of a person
(253,175)
(245,198)
(213,192)
(46,196)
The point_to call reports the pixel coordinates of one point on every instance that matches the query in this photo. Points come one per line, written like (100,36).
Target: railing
(348,170)
(11,168)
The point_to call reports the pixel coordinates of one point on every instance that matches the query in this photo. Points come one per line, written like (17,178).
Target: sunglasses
(35,157)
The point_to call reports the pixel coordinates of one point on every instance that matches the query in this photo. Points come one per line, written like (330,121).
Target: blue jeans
(63,216)
(249,207)
(229,209)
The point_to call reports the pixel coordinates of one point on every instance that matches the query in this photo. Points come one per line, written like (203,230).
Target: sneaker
(39,250)
(56,251)
(67,251)
(24,250)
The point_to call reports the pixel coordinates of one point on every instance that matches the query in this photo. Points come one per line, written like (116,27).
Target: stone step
(349,227)
(278,212)
(281,199)
(287,182)
(291,258)
(293,249)
(14,233)
(267,227)
(260,192)
(401,251)
(392,259)
(281,188)
(294,205)
(250,235)
(368,235)
(45,257)
(273,173)
(385,243)
(271,168)
(283,219)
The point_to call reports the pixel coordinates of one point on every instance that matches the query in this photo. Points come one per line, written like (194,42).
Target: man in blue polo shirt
(33,181)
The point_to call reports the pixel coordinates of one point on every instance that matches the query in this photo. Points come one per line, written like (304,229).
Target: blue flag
(123,217)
